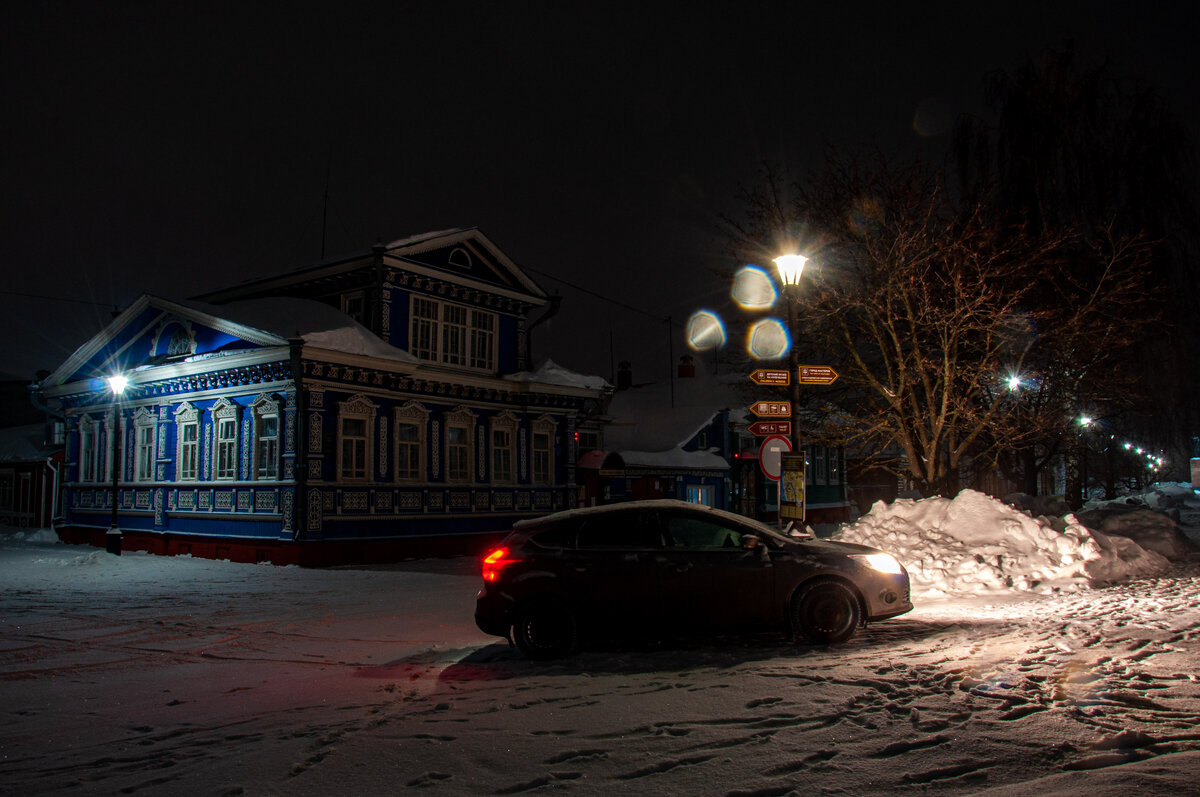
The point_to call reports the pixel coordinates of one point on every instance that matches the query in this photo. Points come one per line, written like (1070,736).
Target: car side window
(619,530)
(701,534)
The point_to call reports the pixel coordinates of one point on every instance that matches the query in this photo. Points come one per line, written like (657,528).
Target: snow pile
(974,544)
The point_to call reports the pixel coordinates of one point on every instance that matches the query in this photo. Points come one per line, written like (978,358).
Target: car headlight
(883,562)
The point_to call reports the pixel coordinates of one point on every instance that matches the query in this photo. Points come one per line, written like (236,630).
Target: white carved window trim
(460,455)
(452,334)
(357,408)
(144,430)
(502,442)
(265,454)
(88,454)
(225,436)
(187,416)
(543,471)
(411,414)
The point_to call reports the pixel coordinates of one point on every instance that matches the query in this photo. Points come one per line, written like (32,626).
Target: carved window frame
(460,454)
(412,415)
(226,422)
(357,408)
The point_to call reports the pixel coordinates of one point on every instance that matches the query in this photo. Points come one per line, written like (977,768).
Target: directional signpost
(772,409)
(769,428)
(765,376)
(816,375)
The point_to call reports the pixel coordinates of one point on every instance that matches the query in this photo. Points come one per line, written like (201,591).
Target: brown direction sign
(764,376)
(817,375)
(772,409)
(768,428)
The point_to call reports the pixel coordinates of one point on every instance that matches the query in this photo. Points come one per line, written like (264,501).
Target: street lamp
(117,384)
(790,267)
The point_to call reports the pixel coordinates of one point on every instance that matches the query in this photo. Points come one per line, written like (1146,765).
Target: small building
(665,439)
(30,464)
(364,409)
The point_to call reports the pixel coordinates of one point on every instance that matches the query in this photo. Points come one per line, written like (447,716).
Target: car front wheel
(825,612)
(545,629)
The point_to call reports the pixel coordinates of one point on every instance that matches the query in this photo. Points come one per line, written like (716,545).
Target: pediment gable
(462,256)
(154,331)
(465,258)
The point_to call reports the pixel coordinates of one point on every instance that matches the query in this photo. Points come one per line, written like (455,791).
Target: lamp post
(795,466)
(790,267)
(117,384)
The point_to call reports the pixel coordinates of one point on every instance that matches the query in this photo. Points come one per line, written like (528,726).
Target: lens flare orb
(753,289)
(705,331)
(768,339)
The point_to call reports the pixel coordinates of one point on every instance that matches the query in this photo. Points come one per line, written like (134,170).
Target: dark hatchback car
(671,567)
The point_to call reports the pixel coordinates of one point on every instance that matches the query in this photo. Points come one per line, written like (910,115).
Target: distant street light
(117,384)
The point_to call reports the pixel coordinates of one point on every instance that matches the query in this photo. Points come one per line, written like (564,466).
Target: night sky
(173,148)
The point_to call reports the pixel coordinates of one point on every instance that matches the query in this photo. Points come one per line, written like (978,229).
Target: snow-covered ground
(1021,671)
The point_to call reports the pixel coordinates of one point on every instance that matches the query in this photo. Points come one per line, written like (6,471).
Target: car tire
(825,612)
(545,629)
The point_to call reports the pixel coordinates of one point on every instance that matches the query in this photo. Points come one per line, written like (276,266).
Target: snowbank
(976,545)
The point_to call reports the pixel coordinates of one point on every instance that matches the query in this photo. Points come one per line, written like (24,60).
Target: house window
(266,437)
(452,334)
(819,465)
(504,430)
(189,451)
(460,426)
(87,449)
(225,414)
(354,448)
(354,306)
(144,456)
(700,494)
(424,329)
(410,423)
(483,336)
(543,450)
(266,449)
(356,418)
(187,445)
(835,466)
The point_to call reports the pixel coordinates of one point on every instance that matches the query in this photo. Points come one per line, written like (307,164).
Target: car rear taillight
(495,561)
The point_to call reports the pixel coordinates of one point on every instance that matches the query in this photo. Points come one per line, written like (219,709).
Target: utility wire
(54,298)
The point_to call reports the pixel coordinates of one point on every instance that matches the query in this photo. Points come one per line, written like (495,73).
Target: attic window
(460,258)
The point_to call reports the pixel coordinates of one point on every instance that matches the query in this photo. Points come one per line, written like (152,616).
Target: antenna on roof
(325,204)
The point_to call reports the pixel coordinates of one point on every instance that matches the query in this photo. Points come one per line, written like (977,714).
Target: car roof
(530,524)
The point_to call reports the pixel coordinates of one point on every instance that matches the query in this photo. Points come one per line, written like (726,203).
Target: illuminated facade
(362,409)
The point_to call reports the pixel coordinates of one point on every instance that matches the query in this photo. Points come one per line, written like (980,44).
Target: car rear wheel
(825,612)
(545,629)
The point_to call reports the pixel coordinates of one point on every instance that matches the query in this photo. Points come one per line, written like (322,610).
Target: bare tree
(926,306)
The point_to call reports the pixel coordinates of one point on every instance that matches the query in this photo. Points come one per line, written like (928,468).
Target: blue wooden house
(363,409)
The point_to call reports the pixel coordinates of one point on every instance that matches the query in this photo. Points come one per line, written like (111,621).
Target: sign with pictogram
(767,428)
(816,375)
(772,409)
(770,456)
(766,376)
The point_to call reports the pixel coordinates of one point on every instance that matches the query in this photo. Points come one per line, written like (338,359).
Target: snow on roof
(424,236)
(551,373)
(674,458)
(316,323)
(22,443)
(647,417)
